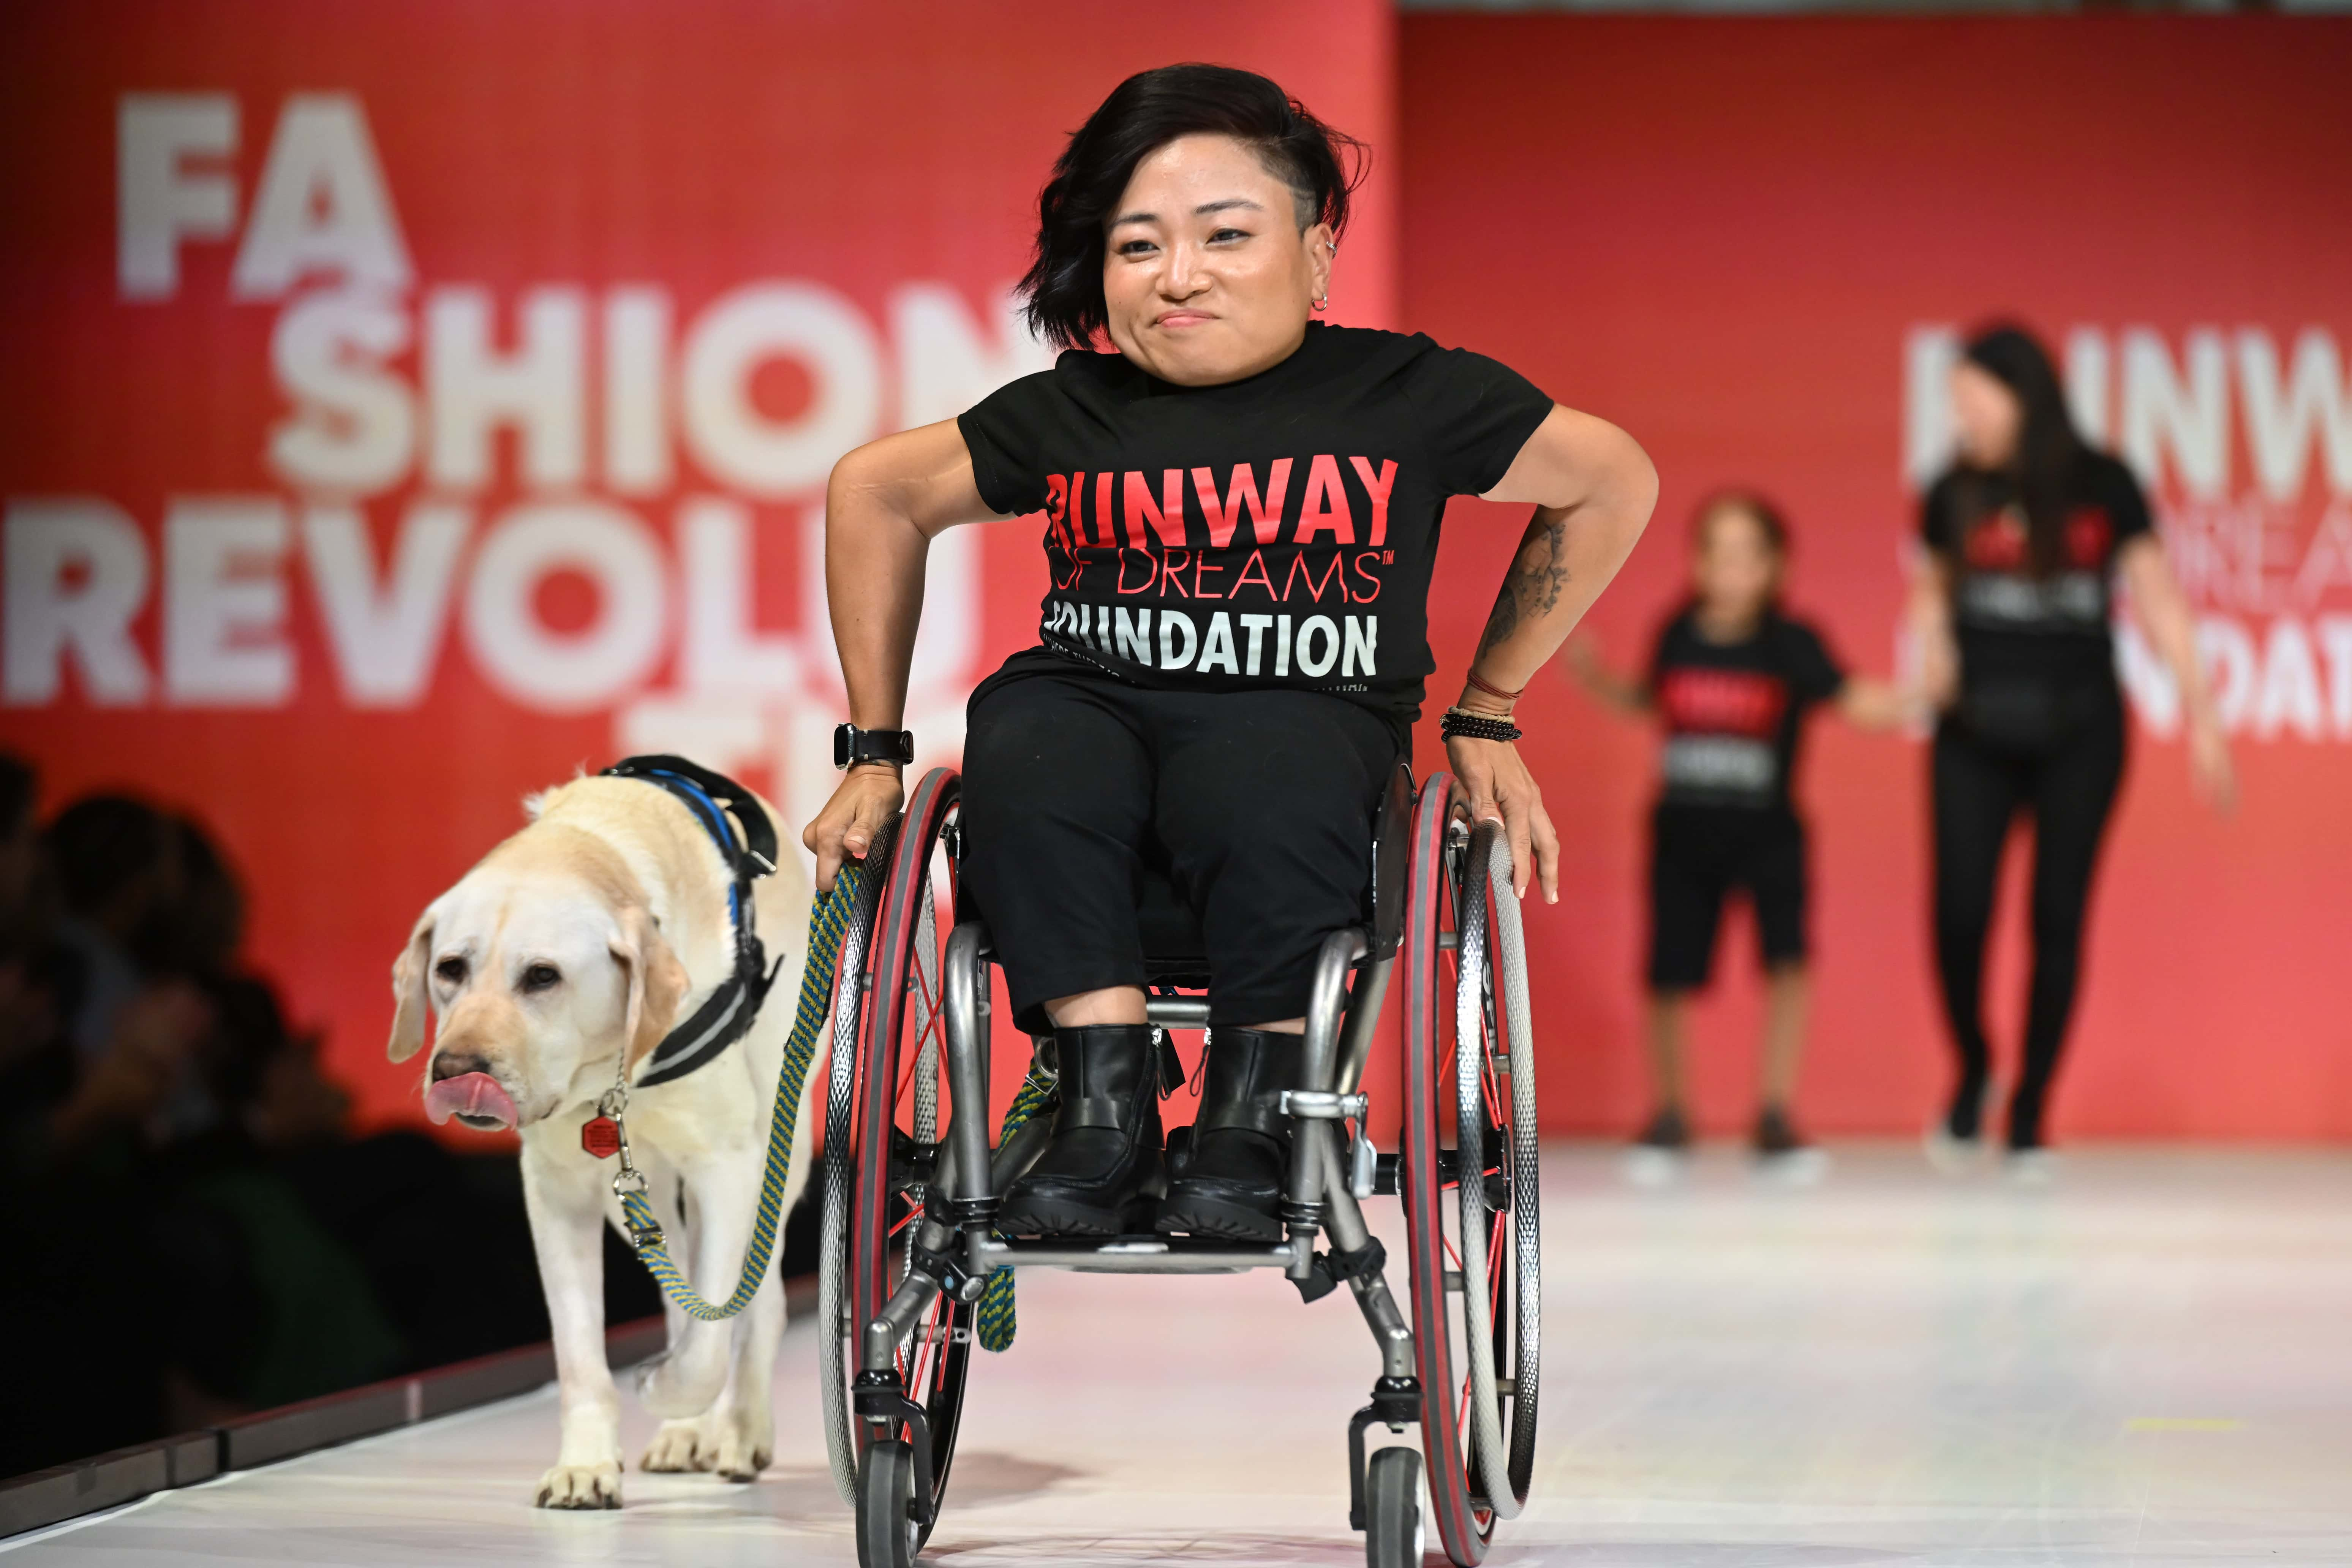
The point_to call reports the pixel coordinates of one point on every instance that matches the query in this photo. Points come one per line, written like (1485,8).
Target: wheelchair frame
(922,1207)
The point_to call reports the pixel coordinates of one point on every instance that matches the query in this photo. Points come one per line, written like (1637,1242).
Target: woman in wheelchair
(1241,507)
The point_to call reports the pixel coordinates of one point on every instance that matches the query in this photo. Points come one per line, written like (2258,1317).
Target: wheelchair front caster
(1392,1535)
(888,1535)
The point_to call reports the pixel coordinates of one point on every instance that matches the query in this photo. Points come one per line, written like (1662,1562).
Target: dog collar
(747,843)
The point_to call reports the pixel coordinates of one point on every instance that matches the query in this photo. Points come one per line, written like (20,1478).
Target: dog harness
(726,1015)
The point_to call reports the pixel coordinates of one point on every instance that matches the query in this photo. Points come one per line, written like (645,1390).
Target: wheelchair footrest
(1142,1254)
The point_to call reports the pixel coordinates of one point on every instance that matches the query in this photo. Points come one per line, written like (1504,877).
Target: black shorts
(1257,805)
(1698,854)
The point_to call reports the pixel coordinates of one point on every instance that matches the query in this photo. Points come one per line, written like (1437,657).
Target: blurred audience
(198,1234)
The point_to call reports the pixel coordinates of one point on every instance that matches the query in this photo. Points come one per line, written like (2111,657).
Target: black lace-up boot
(1232,1187)
(1103,1164)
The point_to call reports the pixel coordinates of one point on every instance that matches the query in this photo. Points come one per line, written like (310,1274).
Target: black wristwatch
(852,745)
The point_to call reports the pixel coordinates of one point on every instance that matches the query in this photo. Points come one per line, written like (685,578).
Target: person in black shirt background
(1732,680)
(1240,510)
(2024,535)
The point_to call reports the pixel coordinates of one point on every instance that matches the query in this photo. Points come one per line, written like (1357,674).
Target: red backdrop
(407,406)
(1740,239)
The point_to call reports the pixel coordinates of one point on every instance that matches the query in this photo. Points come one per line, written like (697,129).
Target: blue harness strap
(726,1015)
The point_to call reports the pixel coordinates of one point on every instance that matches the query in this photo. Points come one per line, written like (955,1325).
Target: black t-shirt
(1732,711)
(1274,532)
(2012,622)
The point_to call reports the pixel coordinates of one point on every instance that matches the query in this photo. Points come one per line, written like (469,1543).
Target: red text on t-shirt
(1722,702)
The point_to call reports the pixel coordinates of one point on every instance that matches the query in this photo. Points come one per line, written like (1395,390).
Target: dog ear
(409,1001)
(656,981)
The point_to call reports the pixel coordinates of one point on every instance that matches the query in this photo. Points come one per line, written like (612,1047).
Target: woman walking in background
(1732,678)
(2025,535)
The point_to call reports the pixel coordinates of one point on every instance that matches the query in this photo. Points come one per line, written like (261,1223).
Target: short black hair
(1063,291)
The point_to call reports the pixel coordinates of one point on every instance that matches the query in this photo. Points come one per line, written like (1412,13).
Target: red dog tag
(601,1136)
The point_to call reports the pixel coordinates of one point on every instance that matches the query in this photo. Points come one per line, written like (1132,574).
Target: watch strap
(852,745)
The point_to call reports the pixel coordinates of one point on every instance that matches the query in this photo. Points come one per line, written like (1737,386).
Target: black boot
(1103,1162)
(1232,1187)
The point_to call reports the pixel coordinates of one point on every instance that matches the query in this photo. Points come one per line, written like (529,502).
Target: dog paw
(580,1485)
(677,1446)
(738,1460)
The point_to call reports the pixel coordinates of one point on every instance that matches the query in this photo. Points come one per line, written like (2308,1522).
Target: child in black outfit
(1732,679)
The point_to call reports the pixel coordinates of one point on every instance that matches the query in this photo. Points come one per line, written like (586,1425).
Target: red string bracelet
(1490,688)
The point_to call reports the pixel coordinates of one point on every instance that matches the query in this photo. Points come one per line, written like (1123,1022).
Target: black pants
(1698,854)
(2068,783)
(1257,805)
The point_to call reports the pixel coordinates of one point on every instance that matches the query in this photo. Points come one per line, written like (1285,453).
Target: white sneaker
(1647,1166)
(2032,1167)
(1951,1156)
(1797,1168)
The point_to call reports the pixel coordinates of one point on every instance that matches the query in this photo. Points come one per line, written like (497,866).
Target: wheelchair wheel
(1392,1529)
(888,1535)
(885,1121)
(1469,1171)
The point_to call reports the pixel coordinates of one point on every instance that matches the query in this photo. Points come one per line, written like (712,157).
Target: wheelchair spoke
(1495,1270)
(927,1359)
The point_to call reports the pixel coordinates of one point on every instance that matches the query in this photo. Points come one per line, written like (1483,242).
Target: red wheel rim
(933,1363)
(1465,1529)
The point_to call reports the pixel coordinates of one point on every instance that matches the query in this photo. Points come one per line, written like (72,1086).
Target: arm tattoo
(1533,585)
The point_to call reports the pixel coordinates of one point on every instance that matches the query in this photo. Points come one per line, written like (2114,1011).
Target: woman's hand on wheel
(1498,787)
(868,795)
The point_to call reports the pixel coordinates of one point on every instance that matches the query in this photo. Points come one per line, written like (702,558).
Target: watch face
(841,733)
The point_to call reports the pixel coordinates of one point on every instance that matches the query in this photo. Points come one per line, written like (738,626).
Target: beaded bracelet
(1477,726)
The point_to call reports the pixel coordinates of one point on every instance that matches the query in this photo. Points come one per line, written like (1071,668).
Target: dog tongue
(469,1094)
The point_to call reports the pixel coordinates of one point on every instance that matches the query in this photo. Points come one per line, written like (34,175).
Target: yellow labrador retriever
(575,947)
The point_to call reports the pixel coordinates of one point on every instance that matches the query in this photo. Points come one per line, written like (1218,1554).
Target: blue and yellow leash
(995,1323)
(828,920)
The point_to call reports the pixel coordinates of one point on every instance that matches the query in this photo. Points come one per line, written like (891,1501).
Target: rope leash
(995,1322)
(827,921)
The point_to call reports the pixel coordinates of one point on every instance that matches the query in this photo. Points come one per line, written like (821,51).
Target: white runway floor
(2150,1364)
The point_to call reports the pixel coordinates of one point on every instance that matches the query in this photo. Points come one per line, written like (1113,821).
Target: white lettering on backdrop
(592,397)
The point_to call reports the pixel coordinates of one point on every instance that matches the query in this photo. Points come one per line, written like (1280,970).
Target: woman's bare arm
(884,504)
(1927,612)
(2162,611)
(1593,488)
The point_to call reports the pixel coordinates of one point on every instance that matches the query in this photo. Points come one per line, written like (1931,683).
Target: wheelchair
(911,1179)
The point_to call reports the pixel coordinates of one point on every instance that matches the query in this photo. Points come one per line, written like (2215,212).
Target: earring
(1324,303)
